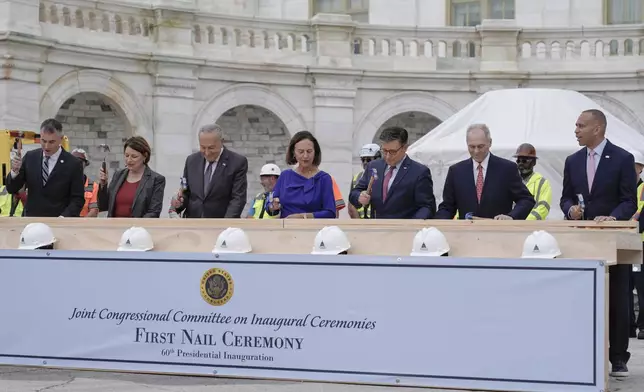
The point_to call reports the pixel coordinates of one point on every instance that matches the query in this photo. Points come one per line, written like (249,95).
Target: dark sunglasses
(366,159)
(525,159)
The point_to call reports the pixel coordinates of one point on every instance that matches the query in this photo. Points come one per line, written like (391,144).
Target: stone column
(173,114)
(20,66)
(333,39)
(499,45)
(172,31)
(333,107)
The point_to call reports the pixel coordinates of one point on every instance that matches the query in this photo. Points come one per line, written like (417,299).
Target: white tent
(543,117)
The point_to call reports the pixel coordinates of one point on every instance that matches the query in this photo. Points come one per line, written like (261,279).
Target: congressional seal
(217,286)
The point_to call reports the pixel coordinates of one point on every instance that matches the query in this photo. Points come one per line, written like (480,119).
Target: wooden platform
(616,242)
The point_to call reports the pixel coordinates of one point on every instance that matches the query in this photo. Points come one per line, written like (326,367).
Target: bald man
(539,187)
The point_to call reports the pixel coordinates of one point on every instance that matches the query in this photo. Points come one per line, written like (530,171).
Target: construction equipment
(16,143)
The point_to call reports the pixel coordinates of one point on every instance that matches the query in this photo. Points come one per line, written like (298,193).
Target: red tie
(385,183)
(479,183)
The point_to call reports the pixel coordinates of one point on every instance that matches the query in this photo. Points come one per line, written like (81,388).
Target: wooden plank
(611,241)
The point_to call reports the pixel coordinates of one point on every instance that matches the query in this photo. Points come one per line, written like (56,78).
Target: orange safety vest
(91,197)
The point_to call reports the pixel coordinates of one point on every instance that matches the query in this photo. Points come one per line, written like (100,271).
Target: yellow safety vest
(360,210)
(6,199)
(540,189)
(640,204)
(258,207)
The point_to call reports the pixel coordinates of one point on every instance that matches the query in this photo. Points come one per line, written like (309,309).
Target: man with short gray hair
(53,177)
(484,185)
(215,179)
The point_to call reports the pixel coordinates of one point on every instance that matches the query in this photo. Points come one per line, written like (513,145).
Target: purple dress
(299,194)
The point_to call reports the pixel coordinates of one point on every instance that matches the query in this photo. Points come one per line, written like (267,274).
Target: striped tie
(45,170)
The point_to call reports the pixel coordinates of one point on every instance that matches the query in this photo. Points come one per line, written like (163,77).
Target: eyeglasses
(366,159)
(525,159)
(391,152)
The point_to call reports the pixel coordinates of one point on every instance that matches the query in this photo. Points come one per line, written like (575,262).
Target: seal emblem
(217,286)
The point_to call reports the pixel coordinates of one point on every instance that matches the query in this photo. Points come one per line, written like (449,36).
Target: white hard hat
(136,239)
(331,240)
(429,241)
(35,235)
(541,245)
(639,157)
(369,150)
(270,169)
(232,240)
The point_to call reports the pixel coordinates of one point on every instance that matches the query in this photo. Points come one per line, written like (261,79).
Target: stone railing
(336,40)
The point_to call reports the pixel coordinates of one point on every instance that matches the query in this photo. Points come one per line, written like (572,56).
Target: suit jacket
(502,188)
(226,197)
(614,190)
(148,199)
(64,193)
(411,195)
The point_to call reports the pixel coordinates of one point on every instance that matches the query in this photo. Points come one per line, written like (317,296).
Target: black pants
(637,282)
(619,315)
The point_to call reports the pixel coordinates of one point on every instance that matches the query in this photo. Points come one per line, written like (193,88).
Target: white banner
(528,325)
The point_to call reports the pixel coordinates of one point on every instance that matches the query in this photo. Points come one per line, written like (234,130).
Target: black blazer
(64,193)
(502,188)
(229,186)
(411,195)
(614,191)
(148,200)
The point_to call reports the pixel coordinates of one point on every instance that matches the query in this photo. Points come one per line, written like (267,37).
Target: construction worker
(538,185)
(90,209)
(368,153)
(10,205)
(637,276)
(268,177)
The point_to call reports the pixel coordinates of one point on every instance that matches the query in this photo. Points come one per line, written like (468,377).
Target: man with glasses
(400,187)
(537,184)
(368,153)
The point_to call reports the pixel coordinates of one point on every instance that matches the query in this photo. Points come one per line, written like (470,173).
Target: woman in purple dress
(305,191)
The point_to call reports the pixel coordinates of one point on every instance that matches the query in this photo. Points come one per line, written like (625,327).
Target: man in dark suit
(604,176)
(484,185)
(216,179)
(402,187)
(53,177)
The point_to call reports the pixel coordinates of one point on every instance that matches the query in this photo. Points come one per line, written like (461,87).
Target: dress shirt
(395,169)
(599,150)
(475,166)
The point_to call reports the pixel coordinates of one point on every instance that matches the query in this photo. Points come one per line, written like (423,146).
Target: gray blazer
(148,200)
(226,197)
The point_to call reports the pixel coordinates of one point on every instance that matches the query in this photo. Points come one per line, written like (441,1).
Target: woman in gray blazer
(137,190)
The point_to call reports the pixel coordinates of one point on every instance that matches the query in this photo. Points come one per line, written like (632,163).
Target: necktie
(385,182)
(45,170)
(479,183)
(590,169)
(206,178)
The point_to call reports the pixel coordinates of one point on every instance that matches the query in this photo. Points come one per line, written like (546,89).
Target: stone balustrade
(140,26)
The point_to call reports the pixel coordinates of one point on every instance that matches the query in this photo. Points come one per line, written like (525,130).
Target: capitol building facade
(265,69)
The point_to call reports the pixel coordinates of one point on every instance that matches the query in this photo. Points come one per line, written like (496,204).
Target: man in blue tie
(599,184)
(401,188)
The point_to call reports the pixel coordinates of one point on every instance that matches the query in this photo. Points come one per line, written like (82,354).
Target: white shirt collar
(599,149)
(54,156)
(399,163)
(484,163)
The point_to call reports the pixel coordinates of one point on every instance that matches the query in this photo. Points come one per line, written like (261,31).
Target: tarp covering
(543,117)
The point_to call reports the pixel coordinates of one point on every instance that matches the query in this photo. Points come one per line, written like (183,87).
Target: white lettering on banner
(524,325)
